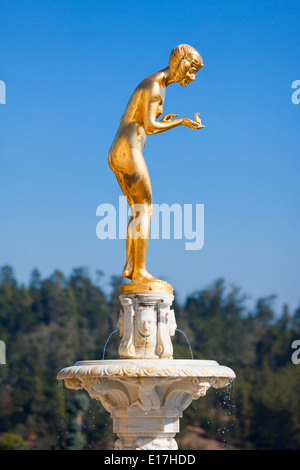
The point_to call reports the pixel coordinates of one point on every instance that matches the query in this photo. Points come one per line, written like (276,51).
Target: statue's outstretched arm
(152,126)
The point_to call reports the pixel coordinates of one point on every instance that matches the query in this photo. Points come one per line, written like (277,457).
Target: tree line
(53,322)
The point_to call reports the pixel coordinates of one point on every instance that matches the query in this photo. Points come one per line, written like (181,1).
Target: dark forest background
(51,323)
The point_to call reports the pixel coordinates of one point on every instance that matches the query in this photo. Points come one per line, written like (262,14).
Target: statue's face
(145,323)
(188,70)
(145,327)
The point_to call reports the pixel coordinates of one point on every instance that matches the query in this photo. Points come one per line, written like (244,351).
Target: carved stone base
(145,430)
(146,398)
(146,324)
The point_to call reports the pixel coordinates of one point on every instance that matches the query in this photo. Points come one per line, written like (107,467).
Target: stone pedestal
(142,430)
(146,324)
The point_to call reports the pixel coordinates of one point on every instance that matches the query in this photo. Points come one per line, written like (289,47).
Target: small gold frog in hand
(198,120)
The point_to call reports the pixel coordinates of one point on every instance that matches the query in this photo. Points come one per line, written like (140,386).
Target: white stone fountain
(146,390)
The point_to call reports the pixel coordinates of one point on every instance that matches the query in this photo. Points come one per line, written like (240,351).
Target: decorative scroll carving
(111,393)
(125,325)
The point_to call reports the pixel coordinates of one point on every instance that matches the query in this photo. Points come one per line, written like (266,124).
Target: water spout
(182,332)
(104,349)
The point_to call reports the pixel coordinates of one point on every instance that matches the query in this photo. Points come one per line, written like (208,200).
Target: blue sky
(70,68)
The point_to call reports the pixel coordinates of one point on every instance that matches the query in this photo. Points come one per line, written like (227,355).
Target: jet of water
(182,332)
(104,349)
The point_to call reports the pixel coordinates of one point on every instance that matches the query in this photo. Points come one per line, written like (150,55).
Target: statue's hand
(168,117)
(192,124)
(197,118)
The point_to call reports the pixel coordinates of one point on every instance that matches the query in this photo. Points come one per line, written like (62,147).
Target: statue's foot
(127,273)
(143,275)
(128,270)
(143,282)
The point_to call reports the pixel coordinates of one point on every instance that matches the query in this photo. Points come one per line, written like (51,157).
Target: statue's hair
(183,51)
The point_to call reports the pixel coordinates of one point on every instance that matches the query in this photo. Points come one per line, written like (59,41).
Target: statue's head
(184,63)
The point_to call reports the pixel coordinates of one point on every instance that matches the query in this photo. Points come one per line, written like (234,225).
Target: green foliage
(54,322)
(76,407)
(12,442)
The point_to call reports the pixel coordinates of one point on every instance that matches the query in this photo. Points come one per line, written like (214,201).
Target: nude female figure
(126,153)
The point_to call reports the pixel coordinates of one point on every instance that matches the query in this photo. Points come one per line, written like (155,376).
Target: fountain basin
(146,398)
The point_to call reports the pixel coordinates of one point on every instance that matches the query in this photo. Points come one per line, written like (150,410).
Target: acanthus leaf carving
(110,392)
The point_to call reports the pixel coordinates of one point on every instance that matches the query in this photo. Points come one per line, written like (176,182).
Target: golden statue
(127,162)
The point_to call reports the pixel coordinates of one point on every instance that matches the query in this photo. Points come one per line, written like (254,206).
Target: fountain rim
(146,368)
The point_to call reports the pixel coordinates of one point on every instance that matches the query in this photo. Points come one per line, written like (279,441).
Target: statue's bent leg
(135,183)
(128,268)
(141,212)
